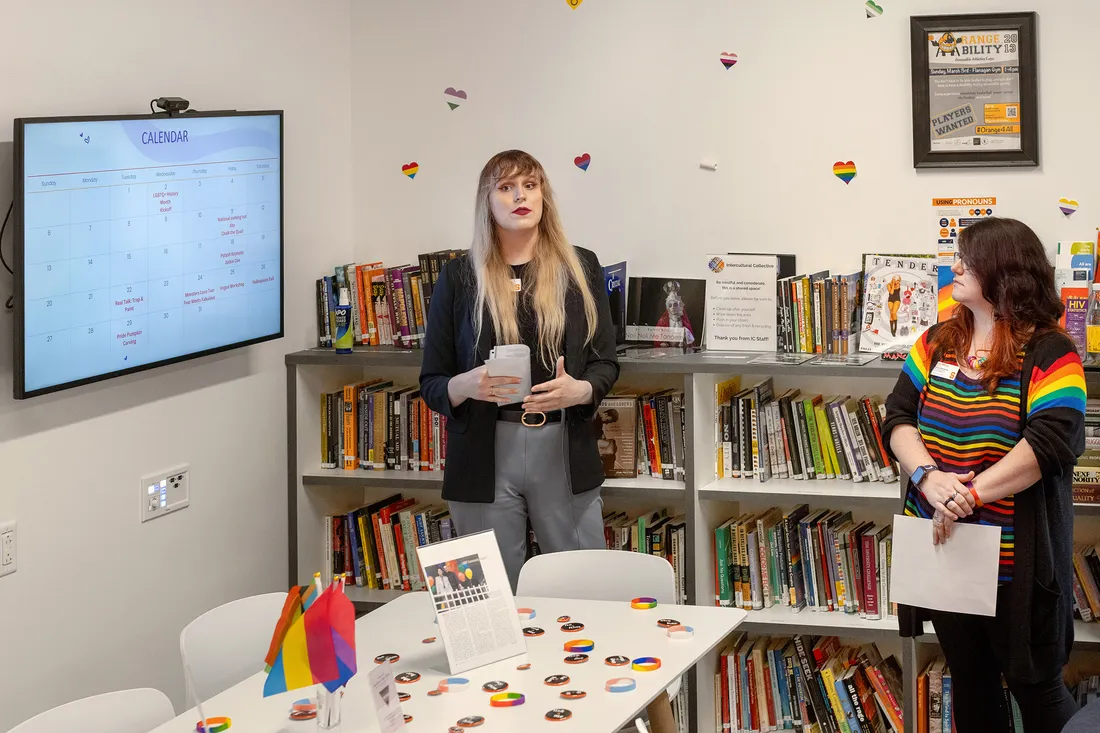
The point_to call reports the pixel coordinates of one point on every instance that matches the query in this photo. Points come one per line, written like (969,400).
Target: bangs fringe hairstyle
(1011,265)
(554,269)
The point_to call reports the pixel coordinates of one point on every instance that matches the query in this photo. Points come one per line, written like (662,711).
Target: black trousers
(976,651)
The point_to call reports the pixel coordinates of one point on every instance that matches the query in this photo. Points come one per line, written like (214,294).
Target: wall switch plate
(9,546)
(165,492)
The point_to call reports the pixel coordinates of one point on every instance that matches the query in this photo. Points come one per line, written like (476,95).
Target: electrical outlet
(165,492)
(9,554)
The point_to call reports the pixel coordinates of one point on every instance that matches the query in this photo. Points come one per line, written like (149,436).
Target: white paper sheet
(959,576)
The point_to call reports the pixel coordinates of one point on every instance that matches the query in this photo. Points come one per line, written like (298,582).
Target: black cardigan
(449,350)
(1040,613)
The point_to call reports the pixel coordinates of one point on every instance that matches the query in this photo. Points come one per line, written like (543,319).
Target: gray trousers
(532,481)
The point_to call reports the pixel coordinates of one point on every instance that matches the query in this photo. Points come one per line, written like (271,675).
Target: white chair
(608,575)
(125,711)
(227,644)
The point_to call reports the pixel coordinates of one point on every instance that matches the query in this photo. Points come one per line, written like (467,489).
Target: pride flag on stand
(314,641)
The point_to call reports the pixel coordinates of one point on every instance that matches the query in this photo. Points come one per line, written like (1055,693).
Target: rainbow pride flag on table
(314,641)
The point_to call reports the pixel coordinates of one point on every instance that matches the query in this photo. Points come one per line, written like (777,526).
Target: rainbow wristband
(620,684)
(643,603)
(680,632)
(454,684)
(214,725)
(579,645)
(646,664)
(977,499)
(506,700)
(525,614)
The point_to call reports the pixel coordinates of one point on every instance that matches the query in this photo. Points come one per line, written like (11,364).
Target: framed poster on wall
(975,99)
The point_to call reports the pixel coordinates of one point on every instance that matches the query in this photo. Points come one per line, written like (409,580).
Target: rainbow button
(620,684)
(506,700)
(214,725)
(579,645)
(646,664)
(643,603)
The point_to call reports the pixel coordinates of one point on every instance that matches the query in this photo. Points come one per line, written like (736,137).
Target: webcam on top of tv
(172,105)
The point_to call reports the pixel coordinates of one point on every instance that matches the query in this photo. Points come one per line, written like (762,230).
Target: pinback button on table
(408,718)
(664,623)
(471,722)
(563,619)
(573,694)
(495,686)
(572,627)
(533,631)
(576,659)
(644,602)
(406,678)
(383,658)
(616,661)
(579,645)
(435,693)
(646,664)
(523,667)
(403,696)
(620,684)
(559,714)
(557,680)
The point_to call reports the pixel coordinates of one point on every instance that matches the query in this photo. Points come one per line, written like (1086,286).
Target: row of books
(376,425)
(823,560)
(796,435)
(1086,582)
(1086,474)
(652,533)
(389,305)
(1087,690)
(643,434)
(818,313)
(806,683)
(375,545)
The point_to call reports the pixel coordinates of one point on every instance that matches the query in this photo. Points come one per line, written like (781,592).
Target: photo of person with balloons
(456,582)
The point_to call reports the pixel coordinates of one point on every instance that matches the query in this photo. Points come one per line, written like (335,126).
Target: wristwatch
(921,472)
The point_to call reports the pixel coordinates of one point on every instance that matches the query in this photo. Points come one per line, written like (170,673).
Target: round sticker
(495,686)
(556,680)
(506,700)
(429,640)
(559,714)
(563,619)
(616,661)
(643,603)
(471,722)
(664,623)
(573,694)
(524,667)
(533,631)
(408,718)
(579,645)
(403,696)
(646,664)
(571,627)
(576,659)
(435,693)
(406,678)
(383,658)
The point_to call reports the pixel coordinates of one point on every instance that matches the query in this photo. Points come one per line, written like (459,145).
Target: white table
(401,625)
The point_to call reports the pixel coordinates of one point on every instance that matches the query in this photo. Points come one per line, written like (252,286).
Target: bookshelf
(314,492)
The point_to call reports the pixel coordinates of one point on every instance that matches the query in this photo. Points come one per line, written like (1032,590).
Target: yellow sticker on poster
(997,130)
(1001,113)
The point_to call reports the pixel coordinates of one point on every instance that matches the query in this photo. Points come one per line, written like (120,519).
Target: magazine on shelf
(473,600)
(665,312)
(899,300)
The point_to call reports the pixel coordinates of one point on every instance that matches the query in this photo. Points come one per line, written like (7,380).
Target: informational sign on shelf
(741,302)
(951,216)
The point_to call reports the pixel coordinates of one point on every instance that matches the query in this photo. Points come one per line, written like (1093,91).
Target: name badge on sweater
(517,284)
(945,371)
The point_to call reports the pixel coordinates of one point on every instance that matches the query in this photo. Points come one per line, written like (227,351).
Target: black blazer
(449,350)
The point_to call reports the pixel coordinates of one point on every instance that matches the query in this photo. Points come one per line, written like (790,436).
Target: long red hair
(1011,266)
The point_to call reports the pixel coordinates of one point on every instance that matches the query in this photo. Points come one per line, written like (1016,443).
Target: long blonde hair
(553,269)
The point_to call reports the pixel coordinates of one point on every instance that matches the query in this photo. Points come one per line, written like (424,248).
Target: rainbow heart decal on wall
(844,171)
(1068,206)
(455,97)
(411,169)
(873,10)
(582,161)
(728,59)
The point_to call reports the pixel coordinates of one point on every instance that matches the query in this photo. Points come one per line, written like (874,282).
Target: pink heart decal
(728,59)
(582,161)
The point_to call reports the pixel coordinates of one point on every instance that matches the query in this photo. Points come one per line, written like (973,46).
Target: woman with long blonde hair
(537,460)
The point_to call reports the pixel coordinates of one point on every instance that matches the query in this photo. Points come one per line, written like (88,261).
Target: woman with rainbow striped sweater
(987,418)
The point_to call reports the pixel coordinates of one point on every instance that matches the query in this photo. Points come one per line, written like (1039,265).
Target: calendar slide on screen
(147,240)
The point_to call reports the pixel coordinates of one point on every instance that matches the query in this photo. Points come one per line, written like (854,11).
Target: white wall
(99,599)
(638,85)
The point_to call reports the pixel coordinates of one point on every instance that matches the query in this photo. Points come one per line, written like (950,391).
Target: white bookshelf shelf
(780,489)
(1085,635)
(369,595)
(782,620)
(642,487)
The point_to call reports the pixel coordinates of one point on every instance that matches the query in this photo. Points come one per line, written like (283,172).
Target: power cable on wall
(10,304)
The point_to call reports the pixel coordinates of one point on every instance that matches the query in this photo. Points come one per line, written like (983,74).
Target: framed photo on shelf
(975,90)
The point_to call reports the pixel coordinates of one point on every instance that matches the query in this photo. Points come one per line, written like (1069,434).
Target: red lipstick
(522,211)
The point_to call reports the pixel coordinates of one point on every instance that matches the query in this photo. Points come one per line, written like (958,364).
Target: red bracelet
(977,499)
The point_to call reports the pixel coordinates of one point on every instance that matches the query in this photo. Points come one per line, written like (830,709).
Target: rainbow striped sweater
(968,428)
